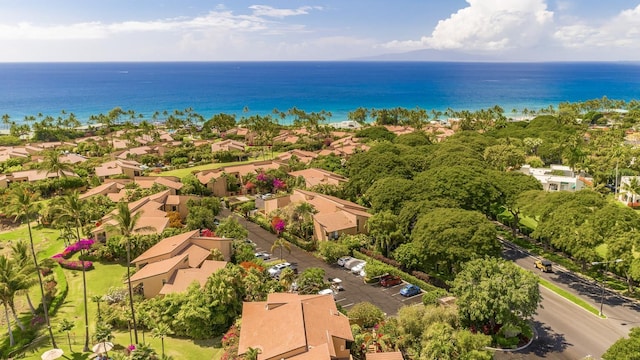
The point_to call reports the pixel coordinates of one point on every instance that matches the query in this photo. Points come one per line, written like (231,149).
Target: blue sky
(198,30)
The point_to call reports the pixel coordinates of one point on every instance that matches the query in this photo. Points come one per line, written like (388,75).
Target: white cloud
(221,20)
(269,11)
(487,25)
(621,32)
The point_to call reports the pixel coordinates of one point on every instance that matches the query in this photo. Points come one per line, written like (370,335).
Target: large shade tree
(451,237)
(494,292)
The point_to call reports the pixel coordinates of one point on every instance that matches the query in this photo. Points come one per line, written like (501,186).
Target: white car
(343,260)
(263,255)
(359,267)
(351,263)
(327,292)
(276,269)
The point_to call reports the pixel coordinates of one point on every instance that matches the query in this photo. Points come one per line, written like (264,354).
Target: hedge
(395,271)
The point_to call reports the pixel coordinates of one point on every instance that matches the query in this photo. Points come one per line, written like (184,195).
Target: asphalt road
(355,290)
(565,330)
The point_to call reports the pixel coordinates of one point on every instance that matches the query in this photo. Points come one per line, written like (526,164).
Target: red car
(390,280)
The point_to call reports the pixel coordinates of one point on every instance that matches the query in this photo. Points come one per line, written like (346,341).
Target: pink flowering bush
(278,225)
(262,177)
(83,244)
(278,184)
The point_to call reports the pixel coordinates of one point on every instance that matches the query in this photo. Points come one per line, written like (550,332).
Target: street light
(602,281)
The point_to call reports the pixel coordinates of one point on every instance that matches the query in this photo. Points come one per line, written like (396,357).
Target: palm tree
(66,326)
(11,280)
(633,188)
(20,252)
(252,354)
(125,225)
(281,243)
(52,163)
(97,299)
(22,203)
(71,210)
(12,341)
(303,215)
(160,331)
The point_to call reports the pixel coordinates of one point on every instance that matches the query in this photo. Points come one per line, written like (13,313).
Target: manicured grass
(569,296)
(44,239)
(181,173)
(176,347)
(99,280)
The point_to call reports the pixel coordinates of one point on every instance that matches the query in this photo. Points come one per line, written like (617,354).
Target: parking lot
(355,290)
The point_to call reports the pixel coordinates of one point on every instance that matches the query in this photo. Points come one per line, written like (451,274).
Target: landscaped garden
(100,279)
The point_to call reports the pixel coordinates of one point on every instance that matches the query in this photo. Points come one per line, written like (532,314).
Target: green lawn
(181,173)
(99,280)
(569,296)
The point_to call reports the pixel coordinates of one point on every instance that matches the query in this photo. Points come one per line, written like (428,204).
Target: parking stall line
(349,304)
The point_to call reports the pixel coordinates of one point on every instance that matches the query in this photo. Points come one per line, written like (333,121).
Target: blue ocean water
(339,87)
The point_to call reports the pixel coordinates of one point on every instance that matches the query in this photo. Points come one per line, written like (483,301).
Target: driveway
(355,290)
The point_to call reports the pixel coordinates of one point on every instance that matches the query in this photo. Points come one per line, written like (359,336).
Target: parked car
(263,255)
(276,269)
(328,292)
(359,267)
(343,260)
(544,265)
(390,280)
(250,242)
(351,263)
(410,290)
(336,284)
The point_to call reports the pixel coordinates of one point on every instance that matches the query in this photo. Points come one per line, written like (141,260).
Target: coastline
(87,89)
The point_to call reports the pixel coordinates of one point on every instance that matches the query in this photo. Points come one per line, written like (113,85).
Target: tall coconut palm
(70,210)
(126,223)
(11,281)
(22,204)
(20,253)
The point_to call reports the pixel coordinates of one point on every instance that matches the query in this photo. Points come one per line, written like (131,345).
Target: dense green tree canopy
(625,348)
(390,194)
(472,188)
(494,291)
(452,237)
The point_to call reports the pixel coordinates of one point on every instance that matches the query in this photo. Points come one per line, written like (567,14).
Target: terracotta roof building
(315,176)
(396,355)
(335,216)
(296,327)
(176,262)
(118,167)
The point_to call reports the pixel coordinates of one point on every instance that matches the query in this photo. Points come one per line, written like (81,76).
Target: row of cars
(356,266)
